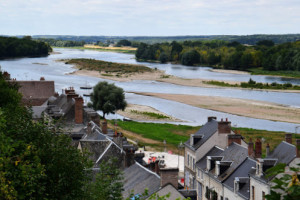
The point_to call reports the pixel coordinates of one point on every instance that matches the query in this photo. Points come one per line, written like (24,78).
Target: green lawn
(260,71)
(174,134)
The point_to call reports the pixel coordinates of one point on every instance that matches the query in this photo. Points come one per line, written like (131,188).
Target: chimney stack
(78,110)
(258,148)
(42,78)
(288,138)
(250,148)
(211,118)
(69,90)
(169,175)
(267,149)
(104,127)
(298,147)
(234,138)
(224,127)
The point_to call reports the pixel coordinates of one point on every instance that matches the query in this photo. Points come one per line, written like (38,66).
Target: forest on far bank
(11,47)
(227,55)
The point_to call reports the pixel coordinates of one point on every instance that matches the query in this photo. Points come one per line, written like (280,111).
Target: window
(263,195)
(253,193)
(198,173)
(221,197)
(201,175)
(194,164)
(188,160)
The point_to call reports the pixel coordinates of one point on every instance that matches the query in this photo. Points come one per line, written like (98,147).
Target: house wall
(229,194)
(259,188)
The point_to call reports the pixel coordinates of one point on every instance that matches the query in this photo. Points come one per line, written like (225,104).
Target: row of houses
(220,165)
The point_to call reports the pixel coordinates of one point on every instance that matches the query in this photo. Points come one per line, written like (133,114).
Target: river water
(34,68)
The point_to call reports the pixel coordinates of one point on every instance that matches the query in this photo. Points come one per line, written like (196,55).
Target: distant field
(259,71)
(129,50)
(108,67)
(154,134)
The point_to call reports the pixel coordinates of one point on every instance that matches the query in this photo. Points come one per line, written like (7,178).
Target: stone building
(213,133)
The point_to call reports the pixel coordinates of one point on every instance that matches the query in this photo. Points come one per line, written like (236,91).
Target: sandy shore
(133,112)
(160,76)
(229,71)
(249,108)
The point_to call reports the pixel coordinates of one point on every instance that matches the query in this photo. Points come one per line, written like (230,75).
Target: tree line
(228,55)
(62,43)
(18,47)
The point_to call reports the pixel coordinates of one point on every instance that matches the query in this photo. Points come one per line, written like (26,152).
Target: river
(48,67)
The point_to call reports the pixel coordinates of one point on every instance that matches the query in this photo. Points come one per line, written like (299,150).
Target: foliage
(108,98)
(108,67)
(254,84)
(62,43)
(151,114)
(123,43)
(286,185)
(14,47)
(228,55)
(108,183)
(37,161)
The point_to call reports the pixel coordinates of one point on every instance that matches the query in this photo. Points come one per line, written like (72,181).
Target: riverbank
(145,113)
(129,50)
(241,107)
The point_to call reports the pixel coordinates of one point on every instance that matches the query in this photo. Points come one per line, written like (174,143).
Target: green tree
(287,186)
(190,58)
(108,183)
(108,98)
(163,58)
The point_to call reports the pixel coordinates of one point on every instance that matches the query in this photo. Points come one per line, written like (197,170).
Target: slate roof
(284,152)
(241,171)
(137,178)
(207,130)
(234,153)
(169,188)
(215,151)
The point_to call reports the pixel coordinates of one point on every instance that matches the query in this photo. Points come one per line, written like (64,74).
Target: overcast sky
(149,17)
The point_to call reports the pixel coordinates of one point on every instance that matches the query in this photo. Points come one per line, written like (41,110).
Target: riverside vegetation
(253,84)
(265,55)
(11,47)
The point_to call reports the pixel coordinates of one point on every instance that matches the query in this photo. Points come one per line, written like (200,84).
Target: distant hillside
(243,39)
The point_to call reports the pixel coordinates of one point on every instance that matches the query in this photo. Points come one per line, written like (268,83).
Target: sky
(149,17)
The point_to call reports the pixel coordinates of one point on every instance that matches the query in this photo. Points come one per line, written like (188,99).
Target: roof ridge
(147,169)
(104,152)
(288,143)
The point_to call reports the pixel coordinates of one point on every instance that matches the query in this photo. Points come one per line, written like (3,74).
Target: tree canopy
(108,98)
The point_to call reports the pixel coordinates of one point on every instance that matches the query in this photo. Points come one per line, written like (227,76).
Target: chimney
(288,138)
(298,147)
(169,175)
(258,148)
(250,148)
(42,78)
(211,118)
(104,126)
(259,167)
(191,139)
(234,138)
(218,168)
(89,128)
(129,157)
(236,185)
(208,163)
(224,127)
(71,95)
(69,90)
(78,110)
(156,168)
(267,149)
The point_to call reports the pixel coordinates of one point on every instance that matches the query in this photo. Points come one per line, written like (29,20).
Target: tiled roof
(137,178)
(207,130)
(174,194)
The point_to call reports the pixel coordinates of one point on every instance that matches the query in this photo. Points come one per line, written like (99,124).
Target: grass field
(174,134)
(260,71)
(108,67)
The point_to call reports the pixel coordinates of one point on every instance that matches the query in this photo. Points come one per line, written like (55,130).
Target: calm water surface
(34,68)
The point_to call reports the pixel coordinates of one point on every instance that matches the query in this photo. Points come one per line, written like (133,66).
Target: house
(35,93)
(286,153)
(216,167)
(213,133)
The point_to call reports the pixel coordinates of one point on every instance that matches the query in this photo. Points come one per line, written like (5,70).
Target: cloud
(149,17)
